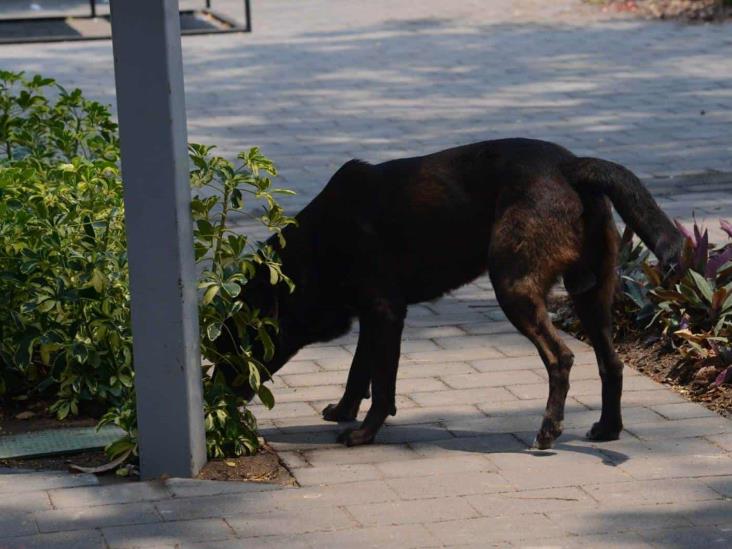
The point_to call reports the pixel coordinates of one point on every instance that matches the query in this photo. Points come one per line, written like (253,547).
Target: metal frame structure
(228,25)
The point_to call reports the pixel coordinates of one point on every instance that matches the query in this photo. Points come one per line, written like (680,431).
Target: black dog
(381,237)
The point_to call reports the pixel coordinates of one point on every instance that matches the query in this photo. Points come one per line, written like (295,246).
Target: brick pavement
(320,83)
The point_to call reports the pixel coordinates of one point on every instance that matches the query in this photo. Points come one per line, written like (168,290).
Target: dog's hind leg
(524,303)
(382,322)
(594,309)
(357,386)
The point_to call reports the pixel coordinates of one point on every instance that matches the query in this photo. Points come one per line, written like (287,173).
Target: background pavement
(323,81)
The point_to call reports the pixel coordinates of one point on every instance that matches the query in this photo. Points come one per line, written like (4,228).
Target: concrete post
(152,118)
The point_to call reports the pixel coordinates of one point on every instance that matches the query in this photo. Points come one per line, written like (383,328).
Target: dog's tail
(632,201)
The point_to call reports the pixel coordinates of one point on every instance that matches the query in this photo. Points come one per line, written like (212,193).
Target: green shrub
(65,327)
(692,306)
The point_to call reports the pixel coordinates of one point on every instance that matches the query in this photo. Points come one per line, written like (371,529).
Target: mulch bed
(646,353)
(689,10)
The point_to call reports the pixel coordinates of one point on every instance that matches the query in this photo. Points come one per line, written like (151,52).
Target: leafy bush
(65,329)
(63,263)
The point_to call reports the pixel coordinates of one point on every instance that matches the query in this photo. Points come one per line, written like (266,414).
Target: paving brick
(435,466)
(627,519)
(600,541)
(83,518)
(399,434)
(167,533)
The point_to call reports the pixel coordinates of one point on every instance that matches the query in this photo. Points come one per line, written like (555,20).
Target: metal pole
(93,7)
(248,14)
(152,118)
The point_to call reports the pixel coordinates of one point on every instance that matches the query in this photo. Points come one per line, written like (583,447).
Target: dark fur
(381,237)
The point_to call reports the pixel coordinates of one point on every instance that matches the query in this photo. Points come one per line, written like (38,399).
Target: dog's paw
(603,433)
(355,437)
(548,433)
(333,412)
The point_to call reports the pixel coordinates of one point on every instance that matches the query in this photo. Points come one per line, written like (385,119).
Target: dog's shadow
(424,438)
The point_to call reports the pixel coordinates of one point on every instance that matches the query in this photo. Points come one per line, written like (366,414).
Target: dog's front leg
(381,327)
(357,386)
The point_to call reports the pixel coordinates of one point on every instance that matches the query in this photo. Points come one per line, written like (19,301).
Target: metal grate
(57,441)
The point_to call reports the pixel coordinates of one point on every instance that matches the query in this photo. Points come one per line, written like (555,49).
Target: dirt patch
(646,353)
(17,417)
(93,458)
(689,10)
(265,466)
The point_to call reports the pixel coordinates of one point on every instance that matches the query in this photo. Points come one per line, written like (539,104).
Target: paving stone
(601,541)
(311,497)
(359,454)
(335,474)
(16,523)
(167,533)
(531,501)
(33,482)
(423,369)
(409,512)
(316,379)
(462,396)
(490,379)
(689,537)
(96,517)
(81,539)
(29,502)
(683,428)
(434,414)
(723,441)
(683,410)
(631,518)
(185,487)
(290,522)
(570,467)
(435,466)
(449,484)
(398,537)
(486,530)
(113,493)
(455,355)
(650,492)
(484,444)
